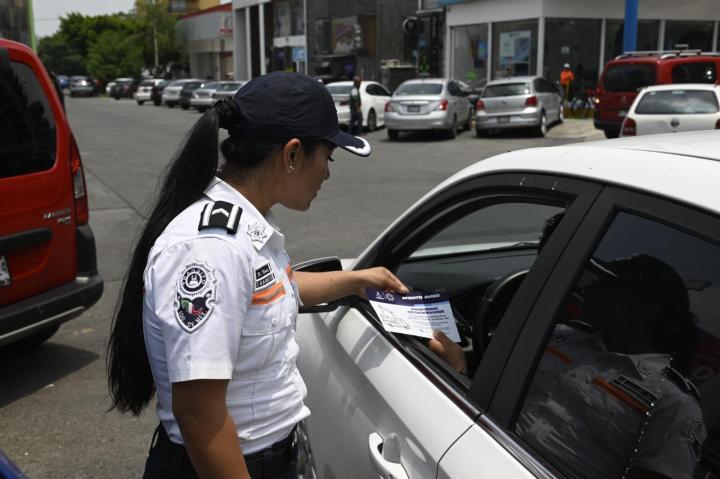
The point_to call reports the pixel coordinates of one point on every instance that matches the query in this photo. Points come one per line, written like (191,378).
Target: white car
(171,93)
(673,108)
(522,242)
(373,97)
(202,98)
(144,90)
(428,104)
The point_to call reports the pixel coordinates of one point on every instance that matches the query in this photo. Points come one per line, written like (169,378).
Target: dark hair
(182,183)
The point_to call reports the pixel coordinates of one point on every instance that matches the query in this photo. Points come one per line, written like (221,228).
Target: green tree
(157,25)
(113,55)
(59,57)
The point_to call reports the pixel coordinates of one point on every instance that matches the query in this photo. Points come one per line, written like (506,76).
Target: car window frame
(509,396)
(397,244)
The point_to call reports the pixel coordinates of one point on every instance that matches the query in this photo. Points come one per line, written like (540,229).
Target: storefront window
(514,48)
(647,37)
(693,35)
(573,41)
(470,54)
(288,18)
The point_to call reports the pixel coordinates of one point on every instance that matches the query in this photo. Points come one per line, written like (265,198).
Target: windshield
(229,87)
(419,89)
(628,77)
(211,86)
(123,82)
(339,89)
(147,83)
(680,102)
(506,89)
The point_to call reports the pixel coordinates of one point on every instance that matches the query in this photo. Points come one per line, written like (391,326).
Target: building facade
(17,22)
(488,39)
(330,39)
(208,38)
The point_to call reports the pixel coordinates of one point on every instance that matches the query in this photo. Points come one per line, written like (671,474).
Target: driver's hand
(449,351)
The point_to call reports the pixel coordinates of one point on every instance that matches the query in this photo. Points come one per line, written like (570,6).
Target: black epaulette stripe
(220,214)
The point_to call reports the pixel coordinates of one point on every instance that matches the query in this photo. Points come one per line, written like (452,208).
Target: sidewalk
(576,129)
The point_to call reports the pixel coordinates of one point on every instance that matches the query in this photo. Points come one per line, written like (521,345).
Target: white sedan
(673,108)
(373,97)
(557,382)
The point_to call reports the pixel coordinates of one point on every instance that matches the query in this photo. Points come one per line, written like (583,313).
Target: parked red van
(623,77)
(48,269)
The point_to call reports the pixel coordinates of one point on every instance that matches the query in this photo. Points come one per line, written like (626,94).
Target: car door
(545,99)
(382,97)
(37,210)
(383,404)
(654,420)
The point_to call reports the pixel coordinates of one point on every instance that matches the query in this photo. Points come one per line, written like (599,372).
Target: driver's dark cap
(279,106)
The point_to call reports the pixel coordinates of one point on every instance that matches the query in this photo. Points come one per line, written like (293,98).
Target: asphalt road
(54,418)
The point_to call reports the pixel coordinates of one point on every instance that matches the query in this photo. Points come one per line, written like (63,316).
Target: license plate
(622,113)
(503,119)
(413,108)
(5,278)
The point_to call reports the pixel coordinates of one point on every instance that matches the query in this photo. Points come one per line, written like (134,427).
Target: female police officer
(207,314)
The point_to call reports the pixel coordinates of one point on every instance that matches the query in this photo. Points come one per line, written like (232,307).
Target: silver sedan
(518,102)
(428,104)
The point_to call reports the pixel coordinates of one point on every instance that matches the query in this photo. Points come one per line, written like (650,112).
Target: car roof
(665,58)
(681,86)
(512,80)
(680,166)
(426,80)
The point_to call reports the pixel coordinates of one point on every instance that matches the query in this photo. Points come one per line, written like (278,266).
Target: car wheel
(157,102)
(482,133)
(117,98)
(140,102)
(453,131)
(72,95)
(170,105)
(393,134)
(561,114)
(611,134)
(185,107)
(36,339)
(468,123)
(371,121)
(541,129)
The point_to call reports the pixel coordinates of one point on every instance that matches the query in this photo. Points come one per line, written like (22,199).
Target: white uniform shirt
(594,413)
(223,306)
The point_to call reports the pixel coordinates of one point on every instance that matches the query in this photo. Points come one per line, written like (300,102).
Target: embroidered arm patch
(195,295)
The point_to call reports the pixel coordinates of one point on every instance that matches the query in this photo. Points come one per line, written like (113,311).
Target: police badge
(257,233)
(195,295)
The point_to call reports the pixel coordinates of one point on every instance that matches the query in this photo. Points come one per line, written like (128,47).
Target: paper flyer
(417,313)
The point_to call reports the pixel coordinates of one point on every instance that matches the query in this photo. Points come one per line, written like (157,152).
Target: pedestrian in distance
(567,77)
(356,117)
(207,313)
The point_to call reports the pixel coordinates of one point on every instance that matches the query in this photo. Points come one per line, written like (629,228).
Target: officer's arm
(207,429)
(317,288)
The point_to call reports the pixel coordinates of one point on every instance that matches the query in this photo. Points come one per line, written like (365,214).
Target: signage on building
(298,54)
(515,49)
(343,34)
(226,24)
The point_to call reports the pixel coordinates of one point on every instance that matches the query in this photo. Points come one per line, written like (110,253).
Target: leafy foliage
(114,55)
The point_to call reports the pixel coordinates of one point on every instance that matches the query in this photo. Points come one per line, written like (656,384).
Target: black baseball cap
(279,106)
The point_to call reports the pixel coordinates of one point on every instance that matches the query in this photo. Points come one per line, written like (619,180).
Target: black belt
(266,463)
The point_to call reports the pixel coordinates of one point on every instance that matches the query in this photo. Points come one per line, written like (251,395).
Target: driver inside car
(605,400)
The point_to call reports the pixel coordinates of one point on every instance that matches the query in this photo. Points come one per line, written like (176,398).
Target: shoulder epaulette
(220,214)
(682,382)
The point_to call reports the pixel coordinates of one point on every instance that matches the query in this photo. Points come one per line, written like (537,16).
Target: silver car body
(508,104)
(171,93)
(202,97)
(417,105)
(227,90)
(373,97)
(81,85)
(363,383)
(145,89)
(673,108)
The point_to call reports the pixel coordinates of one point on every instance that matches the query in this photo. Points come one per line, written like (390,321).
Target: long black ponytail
(182,183)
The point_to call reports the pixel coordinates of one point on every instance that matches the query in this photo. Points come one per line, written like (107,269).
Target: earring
(291,168)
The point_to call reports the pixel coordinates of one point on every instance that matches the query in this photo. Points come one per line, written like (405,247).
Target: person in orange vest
(566,79)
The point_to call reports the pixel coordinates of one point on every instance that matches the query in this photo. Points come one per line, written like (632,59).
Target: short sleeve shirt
(223,305)
(595,414)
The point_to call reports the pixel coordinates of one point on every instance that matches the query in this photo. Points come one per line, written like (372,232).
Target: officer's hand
(379,278)
(449,351)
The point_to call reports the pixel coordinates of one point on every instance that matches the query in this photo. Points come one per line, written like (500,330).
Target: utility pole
(155,40)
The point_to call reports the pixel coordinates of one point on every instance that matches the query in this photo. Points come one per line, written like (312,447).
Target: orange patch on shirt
(289,272)
(559,354)
(269,295)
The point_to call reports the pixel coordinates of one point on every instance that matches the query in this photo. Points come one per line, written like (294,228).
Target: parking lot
(54,402)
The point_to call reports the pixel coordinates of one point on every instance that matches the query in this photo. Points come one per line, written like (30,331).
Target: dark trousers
(168,460)
(355,122)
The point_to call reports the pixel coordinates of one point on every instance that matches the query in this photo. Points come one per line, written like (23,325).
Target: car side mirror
(322,265)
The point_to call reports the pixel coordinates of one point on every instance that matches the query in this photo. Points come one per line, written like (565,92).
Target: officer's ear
(290,156)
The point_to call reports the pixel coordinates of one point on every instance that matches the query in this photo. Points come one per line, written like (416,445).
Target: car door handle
(385,456)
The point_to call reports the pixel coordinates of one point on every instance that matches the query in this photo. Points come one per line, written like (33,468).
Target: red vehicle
(48,269)
(623,77)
